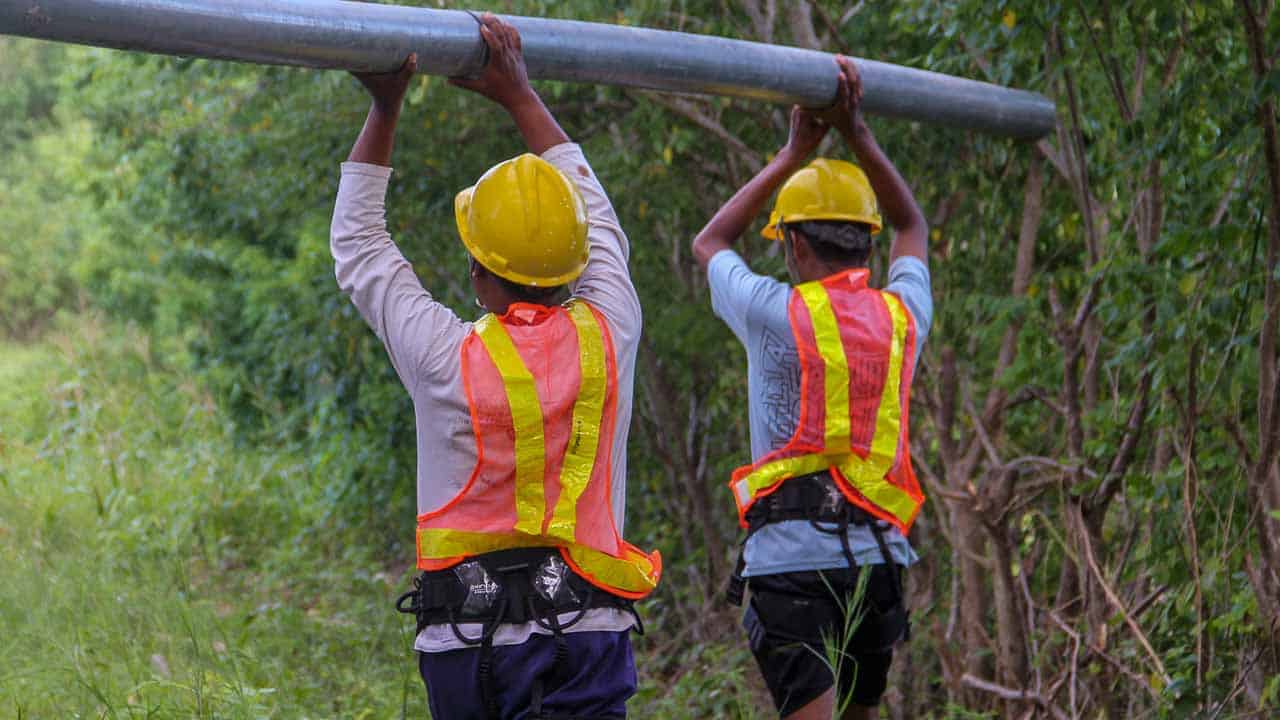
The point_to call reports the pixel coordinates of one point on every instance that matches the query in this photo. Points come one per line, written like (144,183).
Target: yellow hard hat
(525,221)
(825,189)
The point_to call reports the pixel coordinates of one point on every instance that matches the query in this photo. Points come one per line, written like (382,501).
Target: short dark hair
(837,241)
(525,293)
(532,293)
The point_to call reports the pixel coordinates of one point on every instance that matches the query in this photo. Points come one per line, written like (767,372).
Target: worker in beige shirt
(524,605)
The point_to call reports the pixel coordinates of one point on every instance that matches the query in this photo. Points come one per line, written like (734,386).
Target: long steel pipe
(334,34)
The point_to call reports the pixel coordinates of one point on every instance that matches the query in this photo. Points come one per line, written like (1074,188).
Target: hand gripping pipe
(333,34)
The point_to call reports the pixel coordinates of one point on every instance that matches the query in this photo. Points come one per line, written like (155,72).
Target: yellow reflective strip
(885,495)
(526,419)
(868,475)
(633,573)
(889,414)
(770,474)
(588,411)
(439,543)
(826,334)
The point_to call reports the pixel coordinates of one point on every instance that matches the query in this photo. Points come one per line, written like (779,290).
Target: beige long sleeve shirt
(424,340)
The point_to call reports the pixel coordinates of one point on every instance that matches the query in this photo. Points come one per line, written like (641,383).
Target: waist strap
(816,498)
(507,586)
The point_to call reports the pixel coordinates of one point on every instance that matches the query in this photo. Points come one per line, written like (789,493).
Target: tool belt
(816,498)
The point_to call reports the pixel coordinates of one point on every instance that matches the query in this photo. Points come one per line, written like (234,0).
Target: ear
(799,246)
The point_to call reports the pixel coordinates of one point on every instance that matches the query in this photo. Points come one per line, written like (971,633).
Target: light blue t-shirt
(755,308)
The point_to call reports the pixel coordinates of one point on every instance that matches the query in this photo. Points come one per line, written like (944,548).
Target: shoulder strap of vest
(588,411)
(826,336)
(526,419)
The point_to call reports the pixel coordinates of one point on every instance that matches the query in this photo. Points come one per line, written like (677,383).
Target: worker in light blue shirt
(830,492)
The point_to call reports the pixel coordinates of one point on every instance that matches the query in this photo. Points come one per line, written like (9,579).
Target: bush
(153,568)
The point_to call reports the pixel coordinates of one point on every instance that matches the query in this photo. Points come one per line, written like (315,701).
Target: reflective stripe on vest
(881,482)
(540,480)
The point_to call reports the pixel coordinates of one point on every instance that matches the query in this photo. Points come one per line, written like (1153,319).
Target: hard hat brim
(461,207)
(770,231)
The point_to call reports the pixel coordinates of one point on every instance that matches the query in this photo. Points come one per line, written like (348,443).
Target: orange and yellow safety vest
(857,355)
(542,387)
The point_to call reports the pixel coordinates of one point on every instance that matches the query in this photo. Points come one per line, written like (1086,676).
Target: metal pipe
(334,34)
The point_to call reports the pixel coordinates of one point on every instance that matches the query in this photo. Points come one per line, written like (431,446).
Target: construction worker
(830,494)
(525,601)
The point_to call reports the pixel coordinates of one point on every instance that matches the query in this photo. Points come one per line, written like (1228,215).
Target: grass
(710,680)
(157,567)
(154,569)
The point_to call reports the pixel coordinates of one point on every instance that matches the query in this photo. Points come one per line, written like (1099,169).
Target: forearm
(735,216)
(894,196)
(536,123)
(377,137)
(896,201)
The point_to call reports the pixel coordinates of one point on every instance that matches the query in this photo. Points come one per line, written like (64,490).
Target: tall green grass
(155,565)
(152,568)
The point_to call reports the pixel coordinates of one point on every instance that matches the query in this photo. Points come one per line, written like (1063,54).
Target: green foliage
(700,680)
(28,89)
(155,569)
(193,198)
(45,210)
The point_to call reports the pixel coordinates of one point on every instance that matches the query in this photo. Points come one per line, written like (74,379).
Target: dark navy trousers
(599,677)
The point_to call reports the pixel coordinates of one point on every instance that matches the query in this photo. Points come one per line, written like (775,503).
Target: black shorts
(799,629)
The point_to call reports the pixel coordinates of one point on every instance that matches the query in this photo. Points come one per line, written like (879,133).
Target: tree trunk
(1264,485)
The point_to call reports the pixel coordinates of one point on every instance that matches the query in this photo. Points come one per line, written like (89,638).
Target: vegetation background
(206,461)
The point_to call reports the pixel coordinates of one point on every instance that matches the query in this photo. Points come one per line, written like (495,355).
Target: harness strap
(487,692)
(536,582)
(737,586)
(558,672)
(878,532)
(487,629)
(535,698)
(808,497)
(841,531)
(506,579)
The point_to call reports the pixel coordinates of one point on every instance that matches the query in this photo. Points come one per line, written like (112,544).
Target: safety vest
(857,355)
(542,386)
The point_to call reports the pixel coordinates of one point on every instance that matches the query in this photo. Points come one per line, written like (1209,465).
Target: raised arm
(606,281)
(911,231)
(420,334)
(378,135)
(734,217)
(506,82)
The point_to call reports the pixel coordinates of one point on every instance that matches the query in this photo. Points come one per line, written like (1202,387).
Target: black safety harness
(509,587)
(815,498)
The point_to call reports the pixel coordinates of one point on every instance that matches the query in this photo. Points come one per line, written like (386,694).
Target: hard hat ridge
(825,189)
(525,221)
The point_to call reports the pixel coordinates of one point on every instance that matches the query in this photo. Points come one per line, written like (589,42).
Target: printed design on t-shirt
(780,373)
